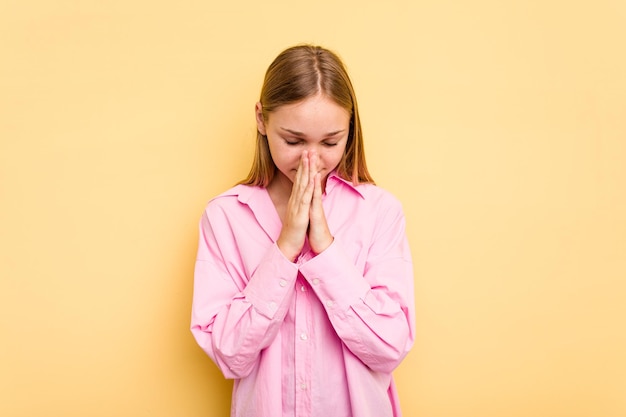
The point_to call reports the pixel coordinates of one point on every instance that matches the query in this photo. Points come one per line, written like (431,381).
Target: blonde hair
(297,73)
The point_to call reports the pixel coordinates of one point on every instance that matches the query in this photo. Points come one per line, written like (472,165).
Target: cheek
(285,157)
(332,156)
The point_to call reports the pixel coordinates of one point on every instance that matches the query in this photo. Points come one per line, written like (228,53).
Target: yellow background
(501,125)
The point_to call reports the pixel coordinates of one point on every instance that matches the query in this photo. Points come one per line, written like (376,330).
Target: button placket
(302,345)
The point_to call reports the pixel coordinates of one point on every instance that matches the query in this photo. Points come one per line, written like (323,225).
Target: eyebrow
(301,134)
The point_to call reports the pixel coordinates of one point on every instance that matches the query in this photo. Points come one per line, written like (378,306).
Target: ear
(260,121)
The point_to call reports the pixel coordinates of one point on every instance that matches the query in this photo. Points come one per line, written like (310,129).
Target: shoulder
(378,196)
(230,199)
(373,191)
(368,198)
(231,193)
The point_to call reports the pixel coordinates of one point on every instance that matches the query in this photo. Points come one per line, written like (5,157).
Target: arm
(234,318)
(372,311)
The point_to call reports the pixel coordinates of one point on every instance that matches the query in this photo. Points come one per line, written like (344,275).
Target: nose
(314,148)
(314,152)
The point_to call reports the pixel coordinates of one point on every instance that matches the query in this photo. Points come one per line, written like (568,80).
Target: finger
(302,179)
(317,210)
(300,172)
(314,161)
(316,199)
(301,192)
(317,189)
(306,168)
(319,234)
(307,194)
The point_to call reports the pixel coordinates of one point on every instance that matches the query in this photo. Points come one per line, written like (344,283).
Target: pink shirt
(319,337)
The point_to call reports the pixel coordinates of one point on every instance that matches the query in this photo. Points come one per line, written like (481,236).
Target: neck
(280,186)
(279,190)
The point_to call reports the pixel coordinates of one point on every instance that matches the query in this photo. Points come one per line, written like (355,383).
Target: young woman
(303,288)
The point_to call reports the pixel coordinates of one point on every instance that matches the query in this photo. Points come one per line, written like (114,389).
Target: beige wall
(501,125)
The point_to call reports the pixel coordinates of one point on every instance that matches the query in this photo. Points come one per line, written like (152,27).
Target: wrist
(288,251)
(322,245)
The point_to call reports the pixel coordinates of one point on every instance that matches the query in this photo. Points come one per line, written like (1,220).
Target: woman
(303,290)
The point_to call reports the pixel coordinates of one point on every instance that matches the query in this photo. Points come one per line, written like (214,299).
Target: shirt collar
(244,193)
(334,179)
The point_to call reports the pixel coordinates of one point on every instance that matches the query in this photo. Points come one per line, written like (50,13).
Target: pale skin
(307,140)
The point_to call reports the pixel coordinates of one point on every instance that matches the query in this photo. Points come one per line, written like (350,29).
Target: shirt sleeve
(234,317)
(371,311)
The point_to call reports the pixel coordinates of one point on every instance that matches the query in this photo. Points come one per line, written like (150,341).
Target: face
(316,124)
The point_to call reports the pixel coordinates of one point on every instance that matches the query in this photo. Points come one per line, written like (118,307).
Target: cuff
(335,279)
(272,283)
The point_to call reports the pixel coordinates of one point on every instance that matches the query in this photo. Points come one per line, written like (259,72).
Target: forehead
(311,114)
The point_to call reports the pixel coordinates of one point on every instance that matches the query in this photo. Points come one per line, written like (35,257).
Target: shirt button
(303,336)
(303,288)
(282,283)
(330,303)
(303,387)
(272,305)
(315,281)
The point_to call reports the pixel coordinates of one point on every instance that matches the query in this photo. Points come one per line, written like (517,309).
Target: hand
(319,235)
(305,211)
(296,221)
